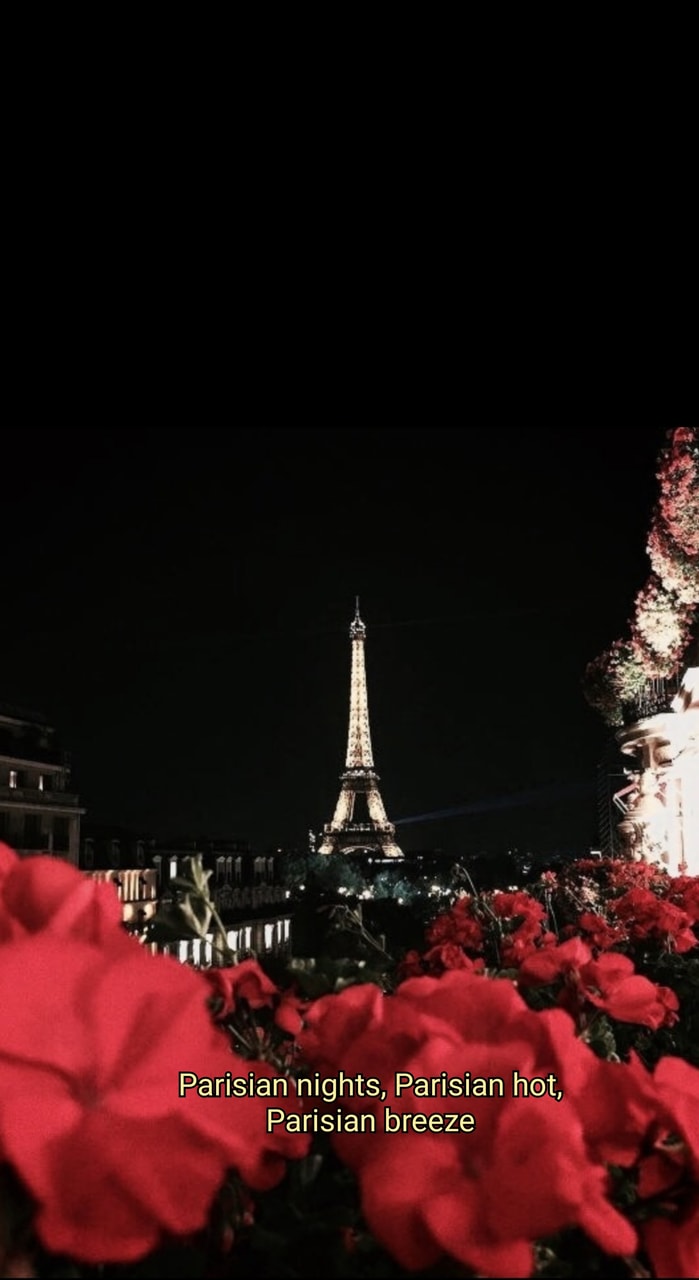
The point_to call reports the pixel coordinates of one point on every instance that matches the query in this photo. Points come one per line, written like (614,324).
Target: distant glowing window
(41,781)
(13,778)
(173,867)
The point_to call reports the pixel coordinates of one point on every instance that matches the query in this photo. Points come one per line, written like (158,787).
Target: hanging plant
(599,692)
(677,570)
(660,627)
(619,676)
(678,474)
(666,606)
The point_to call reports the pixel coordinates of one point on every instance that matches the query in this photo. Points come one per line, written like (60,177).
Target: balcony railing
(32,795)
(655,699)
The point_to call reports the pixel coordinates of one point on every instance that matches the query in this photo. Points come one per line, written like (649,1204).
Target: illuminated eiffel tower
(373,833)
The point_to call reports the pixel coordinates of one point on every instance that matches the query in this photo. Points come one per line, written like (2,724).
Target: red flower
(449,956)
(290,1012)
(611,984)
(670,1172)
(518,904)
(525,942)
(411,966)
(90,1113)
(525,1171)
(47,894)
(244,981)
(647,916)
(555,962)
(608,983)
(457,926)
(599,932)
(684,893)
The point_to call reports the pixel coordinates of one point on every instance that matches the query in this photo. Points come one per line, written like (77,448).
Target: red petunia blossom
(647,916)
(244,981)
(669,1174)
(611,984)
(289,1013)
(608,983)
(598,932)
(90,1114)
(517,903)
(411,966)
(449,956)
(525,942)
(555,962)
(524,1172)
(47,894)
(684,893)
(457,926)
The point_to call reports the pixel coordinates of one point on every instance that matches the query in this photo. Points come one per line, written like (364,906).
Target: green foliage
(188,911)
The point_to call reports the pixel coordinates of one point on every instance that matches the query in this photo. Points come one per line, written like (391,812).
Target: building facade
(660,801)
(244,888)
(39,813)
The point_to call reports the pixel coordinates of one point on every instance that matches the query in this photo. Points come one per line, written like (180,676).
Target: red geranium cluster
(648,917)
(497,929)
(95,1031)
(614,902)
(608,983)
(531,1166)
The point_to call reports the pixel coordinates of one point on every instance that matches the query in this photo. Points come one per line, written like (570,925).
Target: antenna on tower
(356,608)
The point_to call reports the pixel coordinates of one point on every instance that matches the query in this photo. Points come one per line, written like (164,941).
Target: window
(13,779)
(33,838)
(60,835)
(41,781)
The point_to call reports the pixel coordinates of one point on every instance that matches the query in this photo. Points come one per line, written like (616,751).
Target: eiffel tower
(375,834)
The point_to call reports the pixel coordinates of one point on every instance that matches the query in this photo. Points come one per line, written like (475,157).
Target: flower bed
(521,1097)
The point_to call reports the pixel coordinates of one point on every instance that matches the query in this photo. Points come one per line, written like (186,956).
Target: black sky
(178,602)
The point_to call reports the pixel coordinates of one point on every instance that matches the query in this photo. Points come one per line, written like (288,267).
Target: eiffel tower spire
(373,832)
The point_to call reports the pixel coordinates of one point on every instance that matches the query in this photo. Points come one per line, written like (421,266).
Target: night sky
(177,602)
